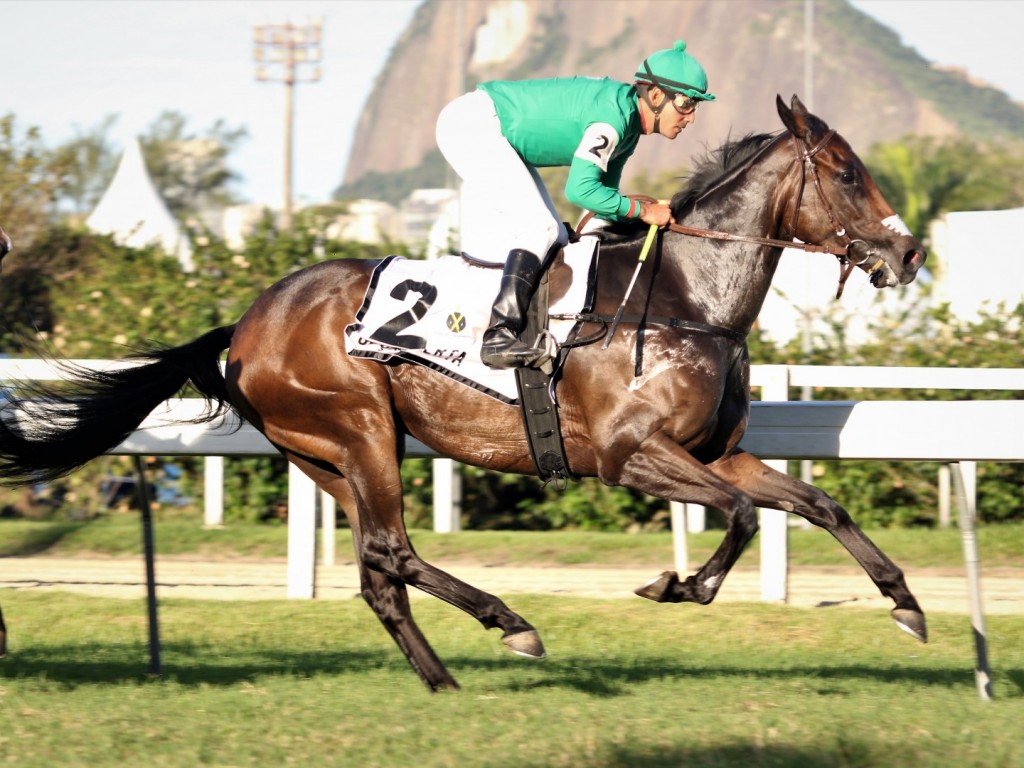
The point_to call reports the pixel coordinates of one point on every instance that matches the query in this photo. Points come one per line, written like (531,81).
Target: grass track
(626,684)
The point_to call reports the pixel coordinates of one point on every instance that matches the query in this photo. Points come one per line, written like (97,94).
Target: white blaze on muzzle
(895,223)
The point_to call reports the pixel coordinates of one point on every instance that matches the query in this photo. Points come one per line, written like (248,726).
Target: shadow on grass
(192,664)
(612,677)
(38,539)
(850,754)
(185,664)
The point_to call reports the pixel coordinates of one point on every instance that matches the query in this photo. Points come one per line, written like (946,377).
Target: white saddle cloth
(434,313)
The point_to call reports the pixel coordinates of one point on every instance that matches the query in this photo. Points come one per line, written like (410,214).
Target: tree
(29,182)
(924,177)
(190,169)
(85,165)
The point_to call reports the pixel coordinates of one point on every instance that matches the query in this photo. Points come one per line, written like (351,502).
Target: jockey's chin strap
(656,111)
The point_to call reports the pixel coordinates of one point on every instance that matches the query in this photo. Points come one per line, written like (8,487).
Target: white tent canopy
(134,213)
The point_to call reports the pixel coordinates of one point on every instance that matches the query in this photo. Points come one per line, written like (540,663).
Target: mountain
(865,82)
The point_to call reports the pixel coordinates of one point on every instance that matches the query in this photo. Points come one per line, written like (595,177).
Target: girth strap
(713,234)
(671,322)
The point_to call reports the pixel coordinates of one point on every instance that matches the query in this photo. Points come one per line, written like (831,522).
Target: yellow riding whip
(636,272)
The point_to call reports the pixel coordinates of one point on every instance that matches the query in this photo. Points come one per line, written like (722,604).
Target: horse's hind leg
(776,490)
(387,596)
(385,547)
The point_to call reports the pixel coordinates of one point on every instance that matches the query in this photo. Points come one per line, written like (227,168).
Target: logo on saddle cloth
(456,322)
(434,313)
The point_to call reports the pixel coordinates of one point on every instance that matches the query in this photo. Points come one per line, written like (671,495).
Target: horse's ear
(794,117)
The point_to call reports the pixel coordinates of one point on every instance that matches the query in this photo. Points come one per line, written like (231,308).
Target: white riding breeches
(505,204)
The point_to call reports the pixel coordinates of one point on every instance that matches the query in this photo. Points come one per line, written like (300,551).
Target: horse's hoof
(525,644)
(911,622)
(447,684)
(658,588)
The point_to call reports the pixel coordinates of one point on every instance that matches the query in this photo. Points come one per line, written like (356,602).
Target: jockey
(497,136)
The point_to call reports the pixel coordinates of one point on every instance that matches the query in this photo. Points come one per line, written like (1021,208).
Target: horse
(671,430)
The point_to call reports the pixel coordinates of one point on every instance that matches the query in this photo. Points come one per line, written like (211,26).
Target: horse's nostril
(914,259)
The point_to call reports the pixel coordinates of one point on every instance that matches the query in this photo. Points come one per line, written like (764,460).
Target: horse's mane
(710,170)
(715,165)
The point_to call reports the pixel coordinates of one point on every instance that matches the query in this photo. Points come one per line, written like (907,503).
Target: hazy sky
(68,64)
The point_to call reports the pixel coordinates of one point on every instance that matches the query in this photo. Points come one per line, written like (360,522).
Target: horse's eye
(849,176)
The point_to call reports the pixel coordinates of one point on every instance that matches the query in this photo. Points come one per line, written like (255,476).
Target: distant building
(430,217)
(367,221)
(424,219)
(980,260)
(802,299)
(237,222)
(427,219)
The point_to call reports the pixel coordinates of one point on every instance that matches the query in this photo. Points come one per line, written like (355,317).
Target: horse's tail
(56,429)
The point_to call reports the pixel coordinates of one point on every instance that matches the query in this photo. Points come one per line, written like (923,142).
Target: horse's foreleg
(661,468)
(776,490)
(386,596)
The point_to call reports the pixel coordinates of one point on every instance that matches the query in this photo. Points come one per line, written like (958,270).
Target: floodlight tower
(280,51)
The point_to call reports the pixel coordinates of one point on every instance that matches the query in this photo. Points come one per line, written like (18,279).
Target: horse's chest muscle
(683,383)
(681,373)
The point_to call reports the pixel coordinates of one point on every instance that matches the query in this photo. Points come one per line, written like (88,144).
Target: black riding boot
(501,345)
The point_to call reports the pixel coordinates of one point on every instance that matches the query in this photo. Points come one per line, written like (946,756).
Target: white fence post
(774,522)
(680,527)
(684,519)
(944,497)
(447,496)
(301,534)
(696,518)
(965,474)
(213,491)
(328,527)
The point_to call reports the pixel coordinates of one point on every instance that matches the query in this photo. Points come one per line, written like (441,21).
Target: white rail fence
(944,431)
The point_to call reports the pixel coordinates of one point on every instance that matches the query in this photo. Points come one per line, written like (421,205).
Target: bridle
(805,157)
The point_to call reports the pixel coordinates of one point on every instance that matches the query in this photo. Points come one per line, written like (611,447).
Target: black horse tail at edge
(50,430)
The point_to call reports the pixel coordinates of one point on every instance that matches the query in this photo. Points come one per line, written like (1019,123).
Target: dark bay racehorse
(671,432)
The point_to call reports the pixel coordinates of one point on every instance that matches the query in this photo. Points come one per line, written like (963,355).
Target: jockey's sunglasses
(684,105)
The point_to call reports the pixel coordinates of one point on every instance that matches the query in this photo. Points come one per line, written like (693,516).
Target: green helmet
(676,71)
